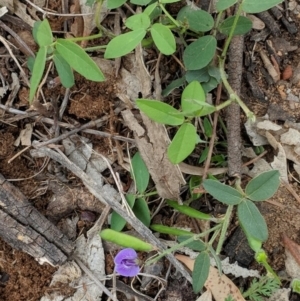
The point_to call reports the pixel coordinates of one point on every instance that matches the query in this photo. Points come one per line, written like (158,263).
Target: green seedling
(66,54)
(262,288)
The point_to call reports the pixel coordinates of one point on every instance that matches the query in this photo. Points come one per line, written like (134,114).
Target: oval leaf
(140,172)
(224,4)
(160,111)
(222,192)
(38,70)
(137,21)
(77,58)
(243,25)
(200,271)
(111,4)
(140,2)
(183,143)
(64,70)
(124,43)
(196,19)
(142,211)
(263,186)
(252,221)
(117,222)
(196,245)
(257,6)
(163,38)
(192,96)
(199,53)
(42,33)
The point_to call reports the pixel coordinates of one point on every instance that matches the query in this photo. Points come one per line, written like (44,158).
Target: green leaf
(137,21)
(201,75)
(64,70)
(42,33)
(223,193)
(111,4)
(210,85)
(214,72)
(183,143)
(201,271)
(117,222)
(90,2)
(196,245)
(38,70)
(163,38)
(243,25)
(141,173)
(216,258)
(168,1)
(208,130)
(142,211)
(257,6)
(77,58)
(204,154)
(193,101)
(153,11)
(140,2)
(196,19)
(252,221)
(169,230)
(160,111)
(173,85)
(30,63)
(124,43)
(189,211)
(199,53)
(263,186)
(194,182)
(224,4)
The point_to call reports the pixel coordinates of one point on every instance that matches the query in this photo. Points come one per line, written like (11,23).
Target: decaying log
(24,228)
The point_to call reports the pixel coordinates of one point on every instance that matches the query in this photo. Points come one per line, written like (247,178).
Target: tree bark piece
(233,115)
(152,142)
(24,228)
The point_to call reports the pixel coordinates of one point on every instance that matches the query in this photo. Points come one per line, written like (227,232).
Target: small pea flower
(126,263)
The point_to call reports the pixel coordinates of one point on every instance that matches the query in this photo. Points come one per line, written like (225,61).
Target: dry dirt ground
(21,276)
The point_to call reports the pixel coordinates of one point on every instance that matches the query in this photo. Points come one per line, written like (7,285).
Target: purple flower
(126,263)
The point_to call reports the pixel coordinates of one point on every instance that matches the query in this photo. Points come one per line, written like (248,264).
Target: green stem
(168,15)
(224,229)
(217,22)
(214,236)
(92,37)
(238,186)
(182,244)
(97,14)
(233,95)
(223,105)
(94,48)
(227,43)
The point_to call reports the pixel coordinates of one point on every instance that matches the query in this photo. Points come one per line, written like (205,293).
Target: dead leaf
(206,296)
(25,136)
(291,247)
(20,9)
(220,285)
(152,142)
